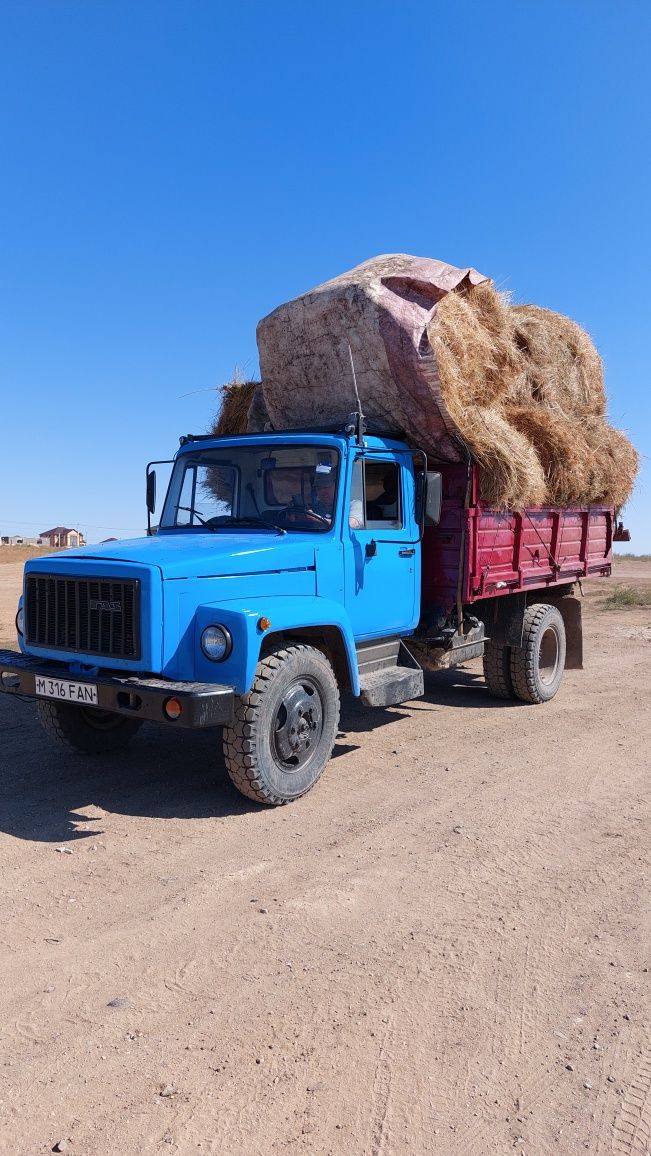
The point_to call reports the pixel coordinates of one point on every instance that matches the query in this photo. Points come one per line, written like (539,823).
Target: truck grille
(88,615)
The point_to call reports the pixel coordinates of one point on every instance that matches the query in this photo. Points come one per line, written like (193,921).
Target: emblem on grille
(112,607)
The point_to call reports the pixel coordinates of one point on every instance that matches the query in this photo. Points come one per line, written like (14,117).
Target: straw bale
(615,463)
(511,475)
(472,334)
(563,452)
(439,352)
(560,367)
(236,402)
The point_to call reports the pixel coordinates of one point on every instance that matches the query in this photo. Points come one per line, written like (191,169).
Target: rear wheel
(537,666)
(86,729)
(497,670)
(284,730)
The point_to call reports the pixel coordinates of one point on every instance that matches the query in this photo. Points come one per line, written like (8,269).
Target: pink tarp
(382,308)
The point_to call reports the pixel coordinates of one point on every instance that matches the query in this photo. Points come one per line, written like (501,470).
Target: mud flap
(570,609)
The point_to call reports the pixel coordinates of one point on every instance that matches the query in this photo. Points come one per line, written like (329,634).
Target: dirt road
(442,950)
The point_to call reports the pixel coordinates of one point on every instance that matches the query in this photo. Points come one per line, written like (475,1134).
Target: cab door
(381,546)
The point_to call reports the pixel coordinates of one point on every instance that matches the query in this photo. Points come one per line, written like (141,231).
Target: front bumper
(204,704)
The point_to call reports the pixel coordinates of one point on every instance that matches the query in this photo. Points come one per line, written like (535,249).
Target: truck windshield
(289,487)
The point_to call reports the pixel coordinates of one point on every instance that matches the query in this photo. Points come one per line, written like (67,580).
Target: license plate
(83,692)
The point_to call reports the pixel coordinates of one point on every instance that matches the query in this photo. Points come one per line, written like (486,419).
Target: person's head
(324,489)
(390,484)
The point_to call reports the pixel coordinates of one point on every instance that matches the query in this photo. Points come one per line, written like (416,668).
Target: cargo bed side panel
(536,548)
(506,551)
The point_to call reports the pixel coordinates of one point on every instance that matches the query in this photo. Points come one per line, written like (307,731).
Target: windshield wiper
(222,520)
(198,516)
(252,521)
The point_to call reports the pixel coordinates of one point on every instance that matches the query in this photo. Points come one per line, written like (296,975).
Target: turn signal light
(172,707)
(264,623)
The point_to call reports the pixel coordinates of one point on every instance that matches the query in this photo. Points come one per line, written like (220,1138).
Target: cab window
(376,498)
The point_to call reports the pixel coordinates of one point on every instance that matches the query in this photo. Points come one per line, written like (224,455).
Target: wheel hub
(298,725)
(548,660)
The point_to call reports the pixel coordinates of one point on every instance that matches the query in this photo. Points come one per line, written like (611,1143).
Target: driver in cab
(321,510)
(323,503)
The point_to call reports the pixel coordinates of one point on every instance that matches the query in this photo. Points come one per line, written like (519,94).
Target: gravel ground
(442,950)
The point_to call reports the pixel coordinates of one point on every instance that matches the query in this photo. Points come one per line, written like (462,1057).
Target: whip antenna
(352,366)
(359,422)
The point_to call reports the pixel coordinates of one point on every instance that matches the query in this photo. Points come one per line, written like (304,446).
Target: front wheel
(285,728)
(84,728)
(537,666)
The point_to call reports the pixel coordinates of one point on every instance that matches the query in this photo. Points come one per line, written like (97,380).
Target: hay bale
(510,472)
(381,311)
(562,450)
(442,356)
(472,334)
(560,367)
(615,463)
(237,397)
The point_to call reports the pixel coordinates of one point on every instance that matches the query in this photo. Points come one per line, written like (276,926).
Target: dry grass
(236,403)
(243,409)
(624,597)
(24,553)
(563,452)
(511,475)
(472,335)
(560,367)
(615,463)
(525,388)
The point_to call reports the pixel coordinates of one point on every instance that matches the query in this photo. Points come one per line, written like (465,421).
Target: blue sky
(174,169)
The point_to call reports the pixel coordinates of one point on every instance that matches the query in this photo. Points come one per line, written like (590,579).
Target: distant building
(62,536)
(20,540)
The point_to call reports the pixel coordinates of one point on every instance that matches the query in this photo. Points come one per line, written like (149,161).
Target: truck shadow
(164,773)
(161,775)
(460,688)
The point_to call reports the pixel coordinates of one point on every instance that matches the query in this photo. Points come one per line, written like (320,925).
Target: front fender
(284,613)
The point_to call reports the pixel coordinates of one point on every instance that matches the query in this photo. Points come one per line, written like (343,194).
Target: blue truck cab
(284,566)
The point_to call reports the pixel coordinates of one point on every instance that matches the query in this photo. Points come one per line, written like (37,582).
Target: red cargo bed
(502,552)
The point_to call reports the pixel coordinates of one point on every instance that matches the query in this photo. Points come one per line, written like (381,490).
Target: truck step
(389,676)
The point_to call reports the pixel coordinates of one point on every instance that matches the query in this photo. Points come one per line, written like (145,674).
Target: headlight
(20,621)
(216,643)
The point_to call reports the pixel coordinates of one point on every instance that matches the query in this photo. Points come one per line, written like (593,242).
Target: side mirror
(151,491)
(433,498)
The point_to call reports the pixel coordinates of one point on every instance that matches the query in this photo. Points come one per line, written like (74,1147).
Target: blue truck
(285,567)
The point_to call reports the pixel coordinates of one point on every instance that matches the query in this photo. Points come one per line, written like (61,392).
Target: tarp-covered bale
(381,309)
(443,357)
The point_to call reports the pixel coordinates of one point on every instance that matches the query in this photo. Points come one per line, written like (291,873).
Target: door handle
(407,552)
(371,548)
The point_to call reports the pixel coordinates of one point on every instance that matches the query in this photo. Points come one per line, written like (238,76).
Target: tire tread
(68,729)
(239,738)
(497,670)
(524,658)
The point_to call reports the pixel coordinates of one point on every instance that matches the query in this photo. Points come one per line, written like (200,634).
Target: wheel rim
(100,720)
(298,726)
(548,656)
